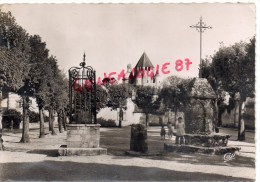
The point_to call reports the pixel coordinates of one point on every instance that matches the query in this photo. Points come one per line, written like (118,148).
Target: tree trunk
(146,119)
(120,122)
(219,116)
(42,134)
(241,124)
(51,121)
(1,124)
(64,120)
(235,113)
(60,118)
(175,117)
(25,134)
(12,125)
(121,114)
(217,122)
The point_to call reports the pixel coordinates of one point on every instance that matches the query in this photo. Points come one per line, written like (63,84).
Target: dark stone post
(138,141)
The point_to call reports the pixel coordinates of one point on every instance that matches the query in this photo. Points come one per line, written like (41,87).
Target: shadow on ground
(68,171)
(117,141)
(117,144)
(49,152)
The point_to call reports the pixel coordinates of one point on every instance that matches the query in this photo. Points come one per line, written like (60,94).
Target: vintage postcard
(128,91)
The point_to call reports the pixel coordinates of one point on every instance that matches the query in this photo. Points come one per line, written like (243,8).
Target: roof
(200,88)
(144,61)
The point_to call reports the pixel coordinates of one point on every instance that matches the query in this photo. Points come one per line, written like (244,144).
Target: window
(18,104)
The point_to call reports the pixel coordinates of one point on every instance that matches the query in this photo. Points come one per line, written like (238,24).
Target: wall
(231,118)
(129,117)
(13,103)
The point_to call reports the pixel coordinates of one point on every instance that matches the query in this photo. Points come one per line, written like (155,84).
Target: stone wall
(230,119)
(199,116)
(129,116)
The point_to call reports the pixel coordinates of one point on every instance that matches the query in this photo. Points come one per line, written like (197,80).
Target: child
(163,132)
(1,143)
(170,130)
(180,126)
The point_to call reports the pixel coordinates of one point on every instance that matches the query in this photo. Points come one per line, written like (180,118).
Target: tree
(52,88)
(207,72)
(174,93)
(118,95)
(61,99)
(146,100)
(233,69)
(14,51)
(22,59)
(39,75)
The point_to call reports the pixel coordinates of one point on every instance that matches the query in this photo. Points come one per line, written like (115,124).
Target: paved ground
(39,161)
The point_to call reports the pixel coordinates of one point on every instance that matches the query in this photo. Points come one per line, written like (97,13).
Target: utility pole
(200,27)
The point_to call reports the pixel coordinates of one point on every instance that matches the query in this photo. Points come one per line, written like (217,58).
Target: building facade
(143,74)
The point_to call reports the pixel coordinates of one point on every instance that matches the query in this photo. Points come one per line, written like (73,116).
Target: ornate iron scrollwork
(82,94)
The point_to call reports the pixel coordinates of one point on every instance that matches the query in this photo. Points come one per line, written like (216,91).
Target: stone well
(82,140)
(201,121)
(82,135)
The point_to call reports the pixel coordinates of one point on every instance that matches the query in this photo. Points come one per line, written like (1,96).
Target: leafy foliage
(106,122)
(33,117)
(146,100)
(232,69)
(14,51)
(174,92)
(22,58)
(118,95)
(12,115)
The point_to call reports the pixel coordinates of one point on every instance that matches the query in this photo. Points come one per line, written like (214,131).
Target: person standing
(163,132)
(180,131)
(1,143)
(170,130)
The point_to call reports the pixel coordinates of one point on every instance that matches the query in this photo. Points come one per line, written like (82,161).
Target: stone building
(143,74)
(10,100)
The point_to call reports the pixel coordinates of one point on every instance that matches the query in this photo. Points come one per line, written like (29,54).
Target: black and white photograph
(128,91)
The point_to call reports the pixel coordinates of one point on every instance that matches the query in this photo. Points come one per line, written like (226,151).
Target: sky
(114,35)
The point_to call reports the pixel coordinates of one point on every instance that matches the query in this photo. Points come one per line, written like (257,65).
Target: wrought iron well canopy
(82,94)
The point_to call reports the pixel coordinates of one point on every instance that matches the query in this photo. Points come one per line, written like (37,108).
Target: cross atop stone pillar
(200,27)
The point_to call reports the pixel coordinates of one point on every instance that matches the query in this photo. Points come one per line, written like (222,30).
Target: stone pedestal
(213,140)
(170,147)
(138,141)
(82,139)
